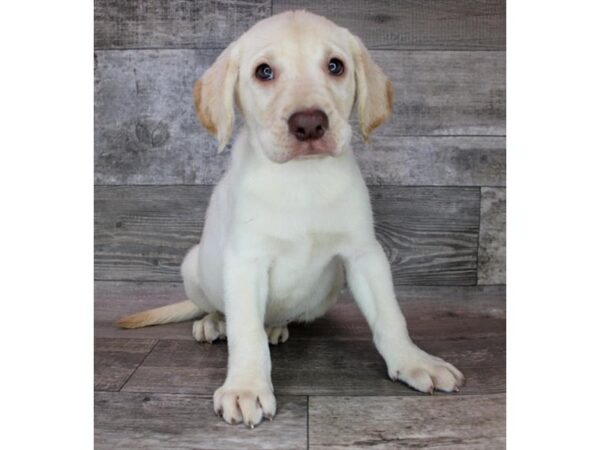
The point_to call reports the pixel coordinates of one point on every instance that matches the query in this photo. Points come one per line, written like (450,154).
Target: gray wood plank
(423,24)
(427,233)
(166,421)
(420,24)
(431,311)
(445,93)
(183,24)
(430,234)
(143,232)
(476,422)
(116,299)
(145,128)
(116,359)
(317,366)
(492,236)
(146,131)
(434,160)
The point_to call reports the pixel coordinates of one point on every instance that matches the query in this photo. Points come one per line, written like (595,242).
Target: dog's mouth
(313,149)
(301,151)
(313,156)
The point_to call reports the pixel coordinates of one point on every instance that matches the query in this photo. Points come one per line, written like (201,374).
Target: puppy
(291,218)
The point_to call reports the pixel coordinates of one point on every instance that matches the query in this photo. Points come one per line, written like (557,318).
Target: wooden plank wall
(436,170)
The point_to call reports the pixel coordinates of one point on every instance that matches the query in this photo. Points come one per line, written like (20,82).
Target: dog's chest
(300,260)
(302,270)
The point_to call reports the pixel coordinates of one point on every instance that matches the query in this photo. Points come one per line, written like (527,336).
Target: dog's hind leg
(277,335)
(210,328)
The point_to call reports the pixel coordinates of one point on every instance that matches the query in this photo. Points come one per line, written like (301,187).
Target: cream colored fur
(280,232)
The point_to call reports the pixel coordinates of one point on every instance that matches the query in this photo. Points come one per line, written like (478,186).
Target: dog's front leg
(370,280)
(247,394)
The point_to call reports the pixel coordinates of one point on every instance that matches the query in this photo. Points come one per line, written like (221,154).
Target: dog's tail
(176,312)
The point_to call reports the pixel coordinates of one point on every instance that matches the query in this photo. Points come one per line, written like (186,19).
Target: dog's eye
(336,67)
(264,72)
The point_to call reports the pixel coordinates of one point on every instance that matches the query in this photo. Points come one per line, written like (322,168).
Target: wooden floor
(154,386)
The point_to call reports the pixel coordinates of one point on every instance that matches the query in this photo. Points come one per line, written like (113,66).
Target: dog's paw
(425,372)
(244,404)
(210,328)
(277,335)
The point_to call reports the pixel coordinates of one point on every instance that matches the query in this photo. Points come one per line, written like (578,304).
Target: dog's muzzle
(309,129)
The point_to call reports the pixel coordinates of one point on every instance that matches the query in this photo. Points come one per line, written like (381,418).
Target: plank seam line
(307,422)
(138,366)
(416,395)
(478,238)
(403,394)
(175,394)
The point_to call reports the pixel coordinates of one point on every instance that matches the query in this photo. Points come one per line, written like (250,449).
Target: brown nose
(308,125)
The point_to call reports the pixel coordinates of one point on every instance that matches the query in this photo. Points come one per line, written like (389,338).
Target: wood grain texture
(145,128)
(165,421)
(446,93)
(492,236)
(434,160)
(423,24)
(431,312)
(317,366)
(143,232)
(410,24)
(146,131)
(475,422)
(429,234)
(116,299)
(181,24)
(116,359)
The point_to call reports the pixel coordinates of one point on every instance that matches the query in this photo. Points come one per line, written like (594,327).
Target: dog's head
(295,77)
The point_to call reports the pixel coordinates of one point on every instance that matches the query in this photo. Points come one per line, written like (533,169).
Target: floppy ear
(214,96)
(374,91)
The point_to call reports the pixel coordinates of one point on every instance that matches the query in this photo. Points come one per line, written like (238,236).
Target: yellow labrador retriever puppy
(292,213)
